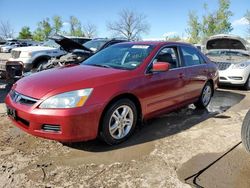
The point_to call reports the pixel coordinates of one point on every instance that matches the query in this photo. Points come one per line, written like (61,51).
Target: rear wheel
(118,122)
(245,132)
(205,96)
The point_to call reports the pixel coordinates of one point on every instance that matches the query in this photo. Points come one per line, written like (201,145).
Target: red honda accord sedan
(109,93)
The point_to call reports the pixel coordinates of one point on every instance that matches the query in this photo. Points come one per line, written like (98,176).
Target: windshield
(51,43)
(94,45)
(226,53)
(121,56)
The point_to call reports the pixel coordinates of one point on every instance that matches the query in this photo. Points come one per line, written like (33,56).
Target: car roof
(160,43)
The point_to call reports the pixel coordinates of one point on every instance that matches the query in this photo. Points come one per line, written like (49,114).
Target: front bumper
(76,124)
(27,62)
(234,76)
(5,50)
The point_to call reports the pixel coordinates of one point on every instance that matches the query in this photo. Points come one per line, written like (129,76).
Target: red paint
(156,92)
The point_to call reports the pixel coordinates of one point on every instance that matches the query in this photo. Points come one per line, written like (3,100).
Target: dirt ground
(162,153)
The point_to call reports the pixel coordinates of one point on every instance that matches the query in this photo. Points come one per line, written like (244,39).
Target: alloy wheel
(121,122)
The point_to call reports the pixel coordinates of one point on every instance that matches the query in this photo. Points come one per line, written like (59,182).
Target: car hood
(226,42)
(67,44)
(65,79)
(34,48)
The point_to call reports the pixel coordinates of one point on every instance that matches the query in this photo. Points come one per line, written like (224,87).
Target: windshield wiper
(101,65)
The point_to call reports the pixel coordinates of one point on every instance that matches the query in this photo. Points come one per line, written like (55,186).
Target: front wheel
(118,122)
(205,96)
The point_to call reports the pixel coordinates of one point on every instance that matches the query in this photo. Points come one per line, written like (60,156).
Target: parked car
(33,56)
(112,91)
(29,58)
(232,55)
(77,53)
(6,48)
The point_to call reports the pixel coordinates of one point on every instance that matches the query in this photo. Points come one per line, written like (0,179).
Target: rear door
(196,71)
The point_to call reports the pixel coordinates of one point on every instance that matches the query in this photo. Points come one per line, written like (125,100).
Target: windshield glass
(94,45)
(227,53)
(51,43)
(121,56)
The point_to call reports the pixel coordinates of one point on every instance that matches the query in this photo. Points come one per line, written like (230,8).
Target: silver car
(232,56)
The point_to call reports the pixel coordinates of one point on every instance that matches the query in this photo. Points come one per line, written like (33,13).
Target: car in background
(25,59)
(33,56)
(77,53)
(7,47)
(112,91)
(232,56)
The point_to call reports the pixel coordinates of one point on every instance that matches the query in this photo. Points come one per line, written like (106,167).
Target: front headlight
(70,99)
(240,65)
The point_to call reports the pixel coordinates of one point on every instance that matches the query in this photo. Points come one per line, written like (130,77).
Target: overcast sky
(166,17)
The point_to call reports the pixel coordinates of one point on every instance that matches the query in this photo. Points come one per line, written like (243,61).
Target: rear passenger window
(191,56)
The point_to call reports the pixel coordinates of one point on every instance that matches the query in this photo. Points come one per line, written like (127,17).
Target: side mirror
(160,67)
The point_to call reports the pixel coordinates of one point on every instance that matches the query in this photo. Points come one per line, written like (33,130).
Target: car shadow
(232,87)
(169,124)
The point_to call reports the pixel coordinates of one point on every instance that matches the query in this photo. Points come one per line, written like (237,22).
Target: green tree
(217,22)
(38,35)
(43,30)
(75,27)
(57,24)
(194,29)
(25,33)
(211,23)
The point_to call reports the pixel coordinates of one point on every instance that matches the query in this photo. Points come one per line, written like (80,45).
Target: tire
(247,84)
(205,96)
(39,65)
(245,132)
(120,130)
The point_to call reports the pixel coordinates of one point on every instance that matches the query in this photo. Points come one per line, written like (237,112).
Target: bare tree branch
(130,25)
(90,30)
(6,31)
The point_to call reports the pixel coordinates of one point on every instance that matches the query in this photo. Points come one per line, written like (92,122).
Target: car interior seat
(167,57)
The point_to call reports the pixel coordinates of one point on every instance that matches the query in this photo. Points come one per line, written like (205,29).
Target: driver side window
(168,55)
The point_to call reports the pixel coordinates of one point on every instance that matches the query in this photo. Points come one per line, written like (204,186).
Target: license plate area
(11,113)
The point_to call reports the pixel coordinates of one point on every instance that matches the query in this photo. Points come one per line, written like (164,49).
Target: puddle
(78,157)
(233,170)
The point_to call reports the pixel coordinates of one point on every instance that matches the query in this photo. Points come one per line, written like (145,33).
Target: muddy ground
(162,153)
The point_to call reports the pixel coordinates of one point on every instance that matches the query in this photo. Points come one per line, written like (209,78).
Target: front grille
(51,128)
(222,65)
(15,54)
(22,99)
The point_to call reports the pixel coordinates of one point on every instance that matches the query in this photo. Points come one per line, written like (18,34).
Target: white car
(33,56)
(232,56)
(6,48)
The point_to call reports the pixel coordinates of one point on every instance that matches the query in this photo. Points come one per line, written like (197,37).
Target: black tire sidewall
(104,132)
(200,103)
(246,86)
(245,132)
